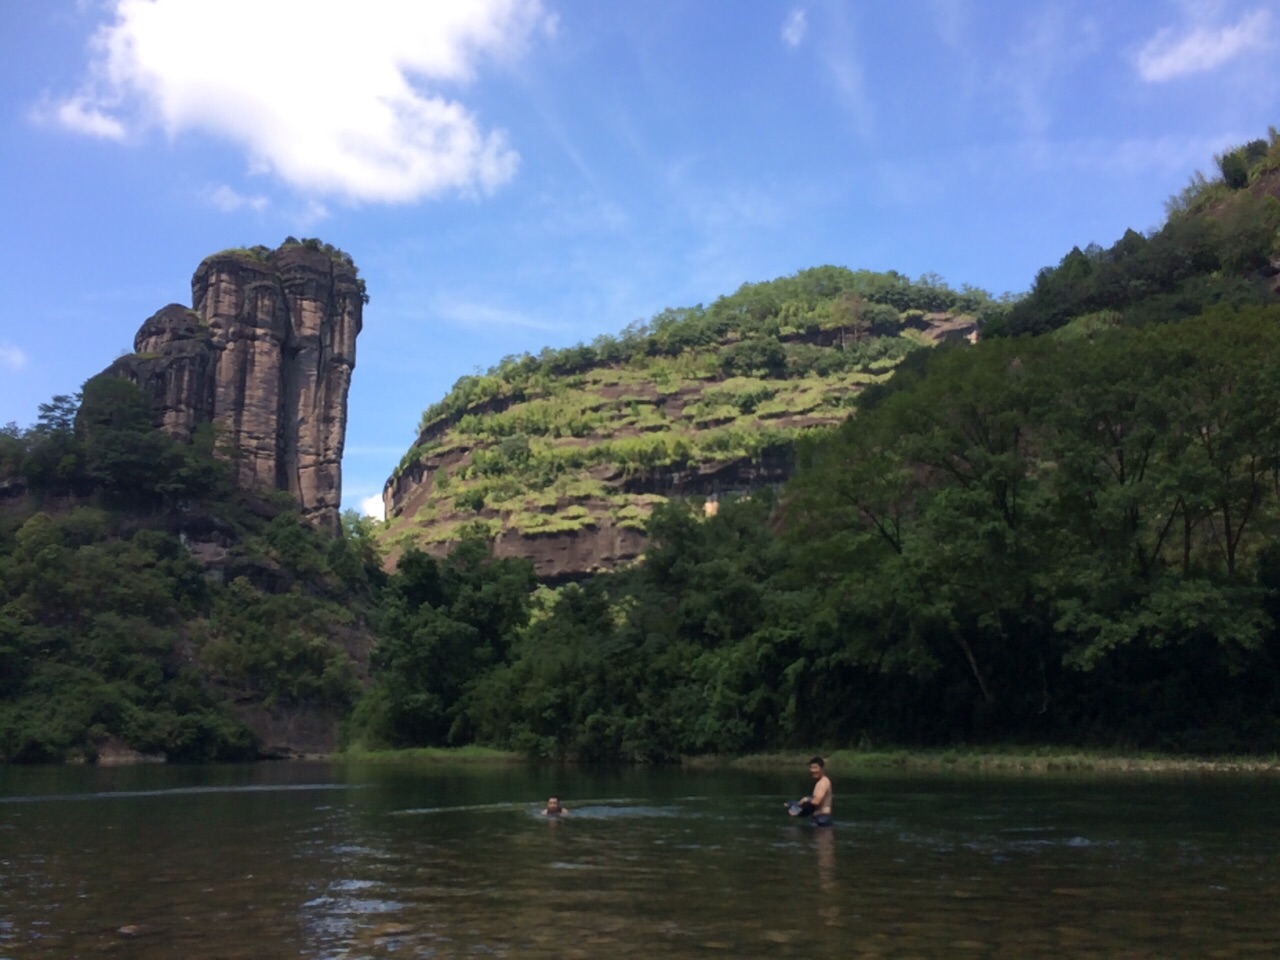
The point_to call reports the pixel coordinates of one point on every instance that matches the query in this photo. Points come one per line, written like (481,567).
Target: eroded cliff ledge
(561,458)
(265,353)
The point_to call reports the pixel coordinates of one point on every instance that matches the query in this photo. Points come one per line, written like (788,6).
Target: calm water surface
(333,862)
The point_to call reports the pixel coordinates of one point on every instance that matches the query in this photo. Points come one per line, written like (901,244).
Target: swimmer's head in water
(553,805)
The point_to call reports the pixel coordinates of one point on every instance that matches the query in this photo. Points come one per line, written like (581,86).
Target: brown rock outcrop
(561,557)
(266,355)
(173,363)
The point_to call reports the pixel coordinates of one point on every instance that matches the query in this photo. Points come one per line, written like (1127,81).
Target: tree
(1235,169)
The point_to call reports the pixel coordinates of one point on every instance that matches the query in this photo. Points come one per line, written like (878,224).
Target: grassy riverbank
(469,754)
(1028,760)
(1011,760)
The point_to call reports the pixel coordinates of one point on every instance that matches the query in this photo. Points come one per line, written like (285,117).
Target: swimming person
(818,803)
(554,808)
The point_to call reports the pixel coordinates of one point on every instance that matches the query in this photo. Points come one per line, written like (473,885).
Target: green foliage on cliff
(442,624)
(549,444)
(262,254)
(860,304)
(113,631)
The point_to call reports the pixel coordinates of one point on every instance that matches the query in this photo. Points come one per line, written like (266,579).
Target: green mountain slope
(562,457)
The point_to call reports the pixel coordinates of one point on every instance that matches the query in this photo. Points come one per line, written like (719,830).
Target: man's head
(553,803)
(816,767)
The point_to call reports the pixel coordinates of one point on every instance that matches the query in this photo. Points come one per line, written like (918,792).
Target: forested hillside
(1070,538)
(149,607)
(1047,540)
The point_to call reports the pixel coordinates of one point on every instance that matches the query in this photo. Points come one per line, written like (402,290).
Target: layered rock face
(173,362)
(583,508)
(266,355)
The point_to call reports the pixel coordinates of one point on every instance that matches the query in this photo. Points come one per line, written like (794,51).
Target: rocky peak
(266,354)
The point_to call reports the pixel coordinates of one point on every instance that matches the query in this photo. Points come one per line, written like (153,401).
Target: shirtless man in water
(818,802)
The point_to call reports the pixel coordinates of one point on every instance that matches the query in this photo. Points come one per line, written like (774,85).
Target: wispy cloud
(735,206)
(311,213)
(953,22)
(838,54)
(1127,157)
(949,19)
(794,28)
(332,107)
(79,115)
(586,214)
(1052,44)
(486,316)
(11,356)
(1181,51)
(924,181)
(229,200)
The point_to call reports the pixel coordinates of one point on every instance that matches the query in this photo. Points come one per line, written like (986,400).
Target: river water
(344,862)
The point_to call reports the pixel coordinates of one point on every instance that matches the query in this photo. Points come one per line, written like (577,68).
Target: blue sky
(512,174)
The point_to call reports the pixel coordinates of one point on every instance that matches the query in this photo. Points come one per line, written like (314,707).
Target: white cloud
(11,356)
(795,28)
(229,200)
(336,98)
(373,507)
(1172,53)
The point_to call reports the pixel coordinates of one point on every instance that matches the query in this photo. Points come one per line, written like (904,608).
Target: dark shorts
(823,820)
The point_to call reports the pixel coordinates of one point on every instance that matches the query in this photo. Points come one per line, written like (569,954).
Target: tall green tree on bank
(1064,518)
(443,624)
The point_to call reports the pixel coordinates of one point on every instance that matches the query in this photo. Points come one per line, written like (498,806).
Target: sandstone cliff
(561,458)
(265,354)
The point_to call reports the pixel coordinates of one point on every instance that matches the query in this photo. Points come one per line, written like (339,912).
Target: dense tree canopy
(1061,539)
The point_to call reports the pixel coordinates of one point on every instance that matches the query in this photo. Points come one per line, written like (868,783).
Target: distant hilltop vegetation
(1218,247)
(561,457)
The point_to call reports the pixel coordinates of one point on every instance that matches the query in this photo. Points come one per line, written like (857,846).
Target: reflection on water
(345,863)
